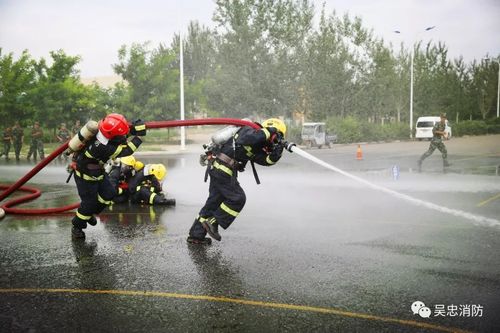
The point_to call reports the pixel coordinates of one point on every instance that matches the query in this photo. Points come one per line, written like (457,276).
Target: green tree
(17,79)
(334,74)
(492,77)
(258,72)
(58,94)
(200,61)
(482,88)
(153,80)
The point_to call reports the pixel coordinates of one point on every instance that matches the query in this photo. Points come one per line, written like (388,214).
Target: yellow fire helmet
(276,123)
(138,166)
(128,160)
(158,170)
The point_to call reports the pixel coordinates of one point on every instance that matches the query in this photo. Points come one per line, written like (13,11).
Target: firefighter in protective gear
(120,175)
(94,187)
(145,187)
(226,197)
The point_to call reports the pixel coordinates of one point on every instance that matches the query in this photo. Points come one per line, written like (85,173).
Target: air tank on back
(86,133)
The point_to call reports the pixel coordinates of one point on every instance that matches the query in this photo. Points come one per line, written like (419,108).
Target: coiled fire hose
(7,207)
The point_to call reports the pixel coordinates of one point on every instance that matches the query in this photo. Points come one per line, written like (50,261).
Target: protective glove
(138,128)
(115,162)
(275,154)
(275,136)
(203,160)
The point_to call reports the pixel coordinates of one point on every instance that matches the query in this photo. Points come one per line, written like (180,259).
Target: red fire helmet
(112,125)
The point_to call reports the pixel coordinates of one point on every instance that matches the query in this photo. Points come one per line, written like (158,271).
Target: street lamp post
(411,80)
(181,84)
(498,89)
(411,92)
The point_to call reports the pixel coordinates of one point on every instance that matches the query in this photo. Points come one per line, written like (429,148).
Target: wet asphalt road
(308,239)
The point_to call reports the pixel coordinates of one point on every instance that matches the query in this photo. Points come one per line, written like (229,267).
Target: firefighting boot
(212,228)
(199,241)
(77,233)
(164,201)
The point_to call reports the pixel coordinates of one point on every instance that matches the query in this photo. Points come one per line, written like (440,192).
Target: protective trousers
(121,197)
(95,196)
(225,201)
(147,195)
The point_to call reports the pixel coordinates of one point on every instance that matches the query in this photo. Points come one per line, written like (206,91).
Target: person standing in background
(36,142)
(63,136)
(7,140)
(17,139)
(76,128)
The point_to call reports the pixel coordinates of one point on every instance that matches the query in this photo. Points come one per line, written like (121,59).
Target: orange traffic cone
(359,153)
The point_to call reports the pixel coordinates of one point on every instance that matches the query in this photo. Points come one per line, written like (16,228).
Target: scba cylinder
(86,133)
(222,135)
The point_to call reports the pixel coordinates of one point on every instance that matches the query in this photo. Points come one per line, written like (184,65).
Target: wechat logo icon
(419,308)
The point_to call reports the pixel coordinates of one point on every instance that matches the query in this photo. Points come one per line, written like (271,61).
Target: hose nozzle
(288,146)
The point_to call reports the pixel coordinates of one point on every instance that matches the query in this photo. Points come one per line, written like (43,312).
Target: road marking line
(237,301)
(487,201)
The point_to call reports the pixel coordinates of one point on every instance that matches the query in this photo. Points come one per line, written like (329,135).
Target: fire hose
(291,147)
(7,207)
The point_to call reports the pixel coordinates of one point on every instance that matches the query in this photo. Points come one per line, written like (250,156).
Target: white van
(425,125)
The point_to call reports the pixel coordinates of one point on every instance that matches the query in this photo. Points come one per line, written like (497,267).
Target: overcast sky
(95,29)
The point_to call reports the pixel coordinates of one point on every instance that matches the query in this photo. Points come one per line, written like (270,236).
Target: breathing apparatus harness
(213,153)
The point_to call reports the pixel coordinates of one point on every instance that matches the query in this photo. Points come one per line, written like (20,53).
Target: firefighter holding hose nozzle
(94,187)
(224,159)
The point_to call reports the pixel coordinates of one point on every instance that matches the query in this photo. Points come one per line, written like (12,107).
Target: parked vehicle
(315,135)
(424,127)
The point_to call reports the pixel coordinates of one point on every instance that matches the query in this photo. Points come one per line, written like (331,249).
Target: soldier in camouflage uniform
(7,140)
(437,142)
(36,142)
(76,128)
(62,136)
(17,139)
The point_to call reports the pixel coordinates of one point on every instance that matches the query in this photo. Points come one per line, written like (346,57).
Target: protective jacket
(226,197)
(94,187)
(119,178)
(145,189)
(248,144)
(90,161)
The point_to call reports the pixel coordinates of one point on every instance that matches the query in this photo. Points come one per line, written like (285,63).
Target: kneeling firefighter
(145,186)
(120,173)
(226,197)
(94,187)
